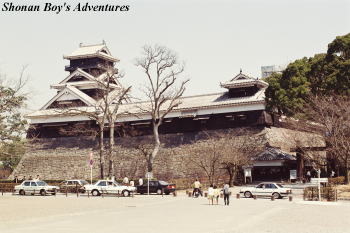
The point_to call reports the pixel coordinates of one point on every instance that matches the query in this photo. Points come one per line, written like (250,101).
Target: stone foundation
(67,158)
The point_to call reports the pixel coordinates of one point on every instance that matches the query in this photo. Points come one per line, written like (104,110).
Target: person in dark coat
(16,180)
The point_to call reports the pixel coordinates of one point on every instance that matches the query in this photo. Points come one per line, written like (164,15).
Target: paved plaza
(168,214)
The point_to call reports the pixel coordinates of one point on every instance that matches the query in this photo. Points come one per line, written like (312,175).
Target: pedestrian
(332,174)
(216,194)
(15,180)
(37,178)
(227,193)
(140,181)
(211,194)
(113,178)
(197,187)
(24,178)
(132,183)
(308,176)
(30,178)
(126,180)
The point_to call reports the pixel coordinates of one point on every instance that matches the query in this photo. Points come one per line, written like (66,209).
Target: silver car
(266,189)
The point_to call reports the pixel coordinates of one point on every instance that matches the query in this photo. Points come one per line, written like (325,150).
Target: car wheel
(248,194)
(276,195)
(159,191)
(95,192)
(42,192)
(21,192)
(126,193)
(167,193)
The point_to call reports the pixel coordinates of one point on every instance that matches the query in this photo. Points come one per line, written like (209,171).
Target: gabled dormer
(242,85)
(69,97)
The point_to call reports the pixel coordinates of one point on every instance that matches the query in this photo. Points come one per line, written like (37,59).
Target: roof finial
(240,71)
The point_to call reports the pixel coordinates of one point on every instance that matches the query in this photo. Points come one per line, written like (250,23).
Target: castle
(56,155)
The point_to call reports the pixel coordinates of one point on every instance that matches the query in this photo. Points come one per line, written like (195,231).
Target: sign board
(149,175)
(318,180)
(293,174)
(247,172)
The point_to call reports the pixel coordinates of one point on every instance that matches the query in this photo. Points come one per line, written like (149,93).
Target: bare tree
(332,113)
(238,148)
(162,70)
(206,155)
(112,104)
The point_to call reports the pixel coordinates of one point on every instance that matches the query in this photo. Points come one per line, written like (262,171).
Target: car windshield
(41,183)
(279,185)
(163,182)
(83,182)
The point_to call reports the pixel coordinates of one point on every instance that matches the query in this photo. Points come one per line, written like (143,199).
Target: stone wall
(66,158)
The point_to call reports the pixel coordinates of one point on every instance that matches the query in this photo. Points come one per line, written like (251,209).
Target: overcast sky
(215,38)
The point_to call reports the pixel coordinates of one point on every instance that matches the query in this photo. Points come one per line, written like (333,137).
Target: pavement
(148,214)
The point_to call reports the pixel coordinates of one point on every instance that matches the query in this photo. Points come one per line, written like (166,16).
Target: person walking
(24,178)
(211,194)
(226,191)
(216,194)
(132,183)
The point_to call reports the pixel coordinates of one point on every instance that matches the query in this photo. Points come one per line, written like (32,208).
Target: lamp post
(319,184)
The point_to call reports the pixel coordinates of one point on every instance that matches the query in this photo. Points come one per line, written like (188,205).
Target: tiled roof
(78,72)
(208,101)
(85,51)
(273,154)
(76,92)
(242,80)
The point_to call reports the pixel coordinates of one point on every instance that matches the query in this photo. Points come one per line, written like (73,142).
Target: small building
(273,164)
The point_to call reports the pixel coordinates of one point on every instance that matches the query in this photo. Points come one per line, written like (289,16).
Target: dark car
(71,186)
(156,186)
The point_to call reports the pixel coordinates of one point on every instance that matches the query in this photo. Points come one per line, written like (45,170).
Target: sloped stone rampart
(67,158)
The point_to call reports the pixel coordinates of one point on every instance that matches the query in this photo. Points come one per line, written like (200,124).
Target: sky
(215,38)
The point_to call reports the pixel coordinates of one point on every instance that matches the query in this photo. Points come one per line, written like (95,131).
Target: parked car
(156,186)
(35,187)
(72,186)
(109,187)
(266,189)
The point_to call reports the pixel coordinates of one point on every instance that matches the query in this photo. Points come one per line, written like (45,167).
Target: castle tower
(243,86)
(90,68)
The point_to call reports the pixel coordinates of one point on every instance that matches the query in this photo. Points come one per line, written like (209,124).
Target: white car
(266,189)
(109,187)
(35,187)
